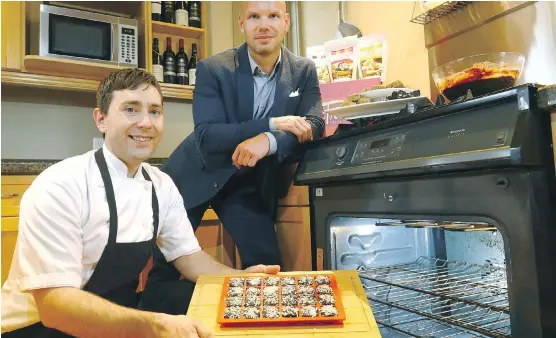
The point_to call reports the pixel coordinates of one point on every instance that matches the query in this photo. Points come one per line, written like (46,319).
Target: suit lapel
(244,84)
(283,87)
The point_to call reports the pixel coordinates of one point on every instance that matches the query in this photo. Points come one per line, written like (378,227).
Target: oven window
(427,278)
(80,37)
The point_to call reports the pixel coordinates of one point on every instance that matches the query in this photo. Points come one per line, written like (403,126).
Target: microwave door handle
(115,44)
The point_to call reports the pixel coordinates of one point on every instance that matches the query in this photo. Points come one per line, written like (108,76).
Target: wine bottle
(182,73)
(158,69)
(169,62)
(195,14)
(168,14)
(192,66)
(156,9)
(182,14)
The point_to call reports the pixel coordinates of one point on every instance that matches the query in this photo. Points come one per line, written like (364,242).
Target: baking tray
(262,321)
(373,109)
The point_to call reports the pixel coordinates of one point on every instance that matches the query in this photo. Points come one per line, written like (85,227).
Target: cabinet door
(13,188)
(9,237)
(216,241)
(553,123)
(293,231)
(13,34)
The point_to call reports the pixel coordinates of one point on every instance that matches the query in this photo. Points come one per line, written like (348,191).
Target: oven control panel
(376,150)
(472,138)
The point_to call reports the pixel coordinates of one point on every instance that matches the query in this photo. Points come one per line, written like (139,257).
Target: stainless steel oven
(452,233)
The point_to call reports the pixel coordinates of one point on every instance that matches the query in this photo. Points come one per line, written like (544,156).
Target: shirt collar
(255,66)
(113,162)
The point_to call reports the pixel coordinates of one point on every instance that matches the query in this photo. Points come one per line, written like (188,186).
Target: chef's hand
(180,326)
(297,125)
(269,269)
(250,151)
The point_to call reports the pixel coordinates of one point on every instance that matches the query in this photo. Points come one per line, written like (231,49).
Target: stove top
(490,131)
(412,109)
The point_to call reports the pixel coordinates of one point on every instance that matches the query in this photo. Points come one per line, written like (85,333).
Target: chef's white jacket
(64,226)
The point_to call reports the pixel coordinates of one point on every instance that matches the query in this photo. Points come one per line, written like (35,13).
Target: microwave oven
(86,36)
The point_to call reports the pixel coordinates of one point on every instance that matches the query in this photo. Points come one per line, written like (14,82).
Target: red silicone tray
(261,320)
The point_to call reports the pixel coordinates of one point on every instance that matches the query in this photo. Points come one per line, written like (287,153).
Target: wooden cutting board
(359,322)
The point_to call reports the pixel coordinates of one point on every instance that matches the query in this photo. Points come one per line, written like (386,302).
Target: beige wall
(407,55)
(319,22)
(220,26)
(48,124)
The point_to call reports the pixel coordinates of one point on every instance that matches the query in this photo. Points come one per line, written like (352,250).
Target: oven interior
(427,277)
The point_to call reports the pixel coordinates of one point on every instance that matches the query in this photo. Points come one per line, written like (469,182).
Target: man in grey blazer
(252,106)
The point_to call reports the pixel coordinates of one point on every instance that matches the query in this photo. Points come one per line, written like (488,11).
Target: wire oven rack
(437,298)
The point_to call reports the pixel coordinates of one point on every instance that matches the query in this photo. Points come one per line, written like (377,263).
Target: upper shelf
(82,85)
(69,68)
(176,30)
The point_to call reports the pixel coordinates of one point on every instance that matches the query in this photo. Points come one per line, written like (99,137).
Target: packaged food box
(342,58)
(318,55)
(372,55)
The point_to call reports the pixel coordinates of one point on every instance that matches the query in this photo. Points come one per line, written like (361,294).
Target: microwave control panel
(128,42)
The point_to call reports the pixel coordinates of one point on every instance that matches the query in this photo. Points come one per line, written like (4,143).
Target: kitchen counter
(359,322)
(35,167)
(546,99)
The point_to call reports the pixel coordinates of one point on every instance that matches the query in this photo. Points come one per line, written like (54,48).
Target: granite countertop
(35,167)
(547,97)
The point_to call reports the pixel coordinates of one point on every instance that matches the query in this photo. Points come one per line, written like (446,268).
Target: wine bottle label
(156,7)
(181,71)
(182,17)
(158,72)
(170,67)
(192,76)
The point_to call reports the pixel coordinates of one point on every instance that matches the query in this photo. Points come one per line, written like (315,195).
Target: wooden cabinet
(296,197)
(22,66)
(293,231)
(13,188)
(9,238)
(13,35)
(553,124)
(216,241)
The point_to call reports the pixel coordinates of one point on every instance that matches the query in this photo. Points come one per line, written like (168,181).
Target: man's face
(264,24)
(134,123)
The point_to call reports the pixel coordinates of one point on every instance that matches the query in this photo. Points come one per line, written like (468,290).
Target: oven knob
(341,152)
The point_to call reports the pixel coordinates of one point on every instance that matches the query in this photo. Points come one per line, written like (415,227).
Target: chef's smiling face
(264,24)
(133,124)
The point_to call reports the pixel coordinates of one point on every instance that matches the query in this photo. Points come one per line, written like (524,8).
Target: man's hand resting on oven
(297,125)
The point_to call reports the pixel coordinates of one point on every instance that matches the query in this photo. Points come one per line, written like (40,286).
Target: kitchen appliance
(448,214)
(86,36)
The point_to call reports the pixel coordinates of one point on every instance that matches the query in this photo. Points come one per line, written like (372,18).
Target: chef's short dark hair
(127,78)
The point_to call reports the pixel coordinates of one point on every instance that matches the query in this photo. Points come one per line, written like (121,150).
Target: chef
(89,224)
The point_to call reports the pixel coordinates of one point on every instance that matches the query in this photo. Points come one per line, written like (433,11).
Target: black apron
(116,275)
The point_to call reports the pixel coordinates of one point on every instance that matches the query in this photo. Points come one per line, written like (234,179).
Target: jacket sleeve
(212,130)
(310,106)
